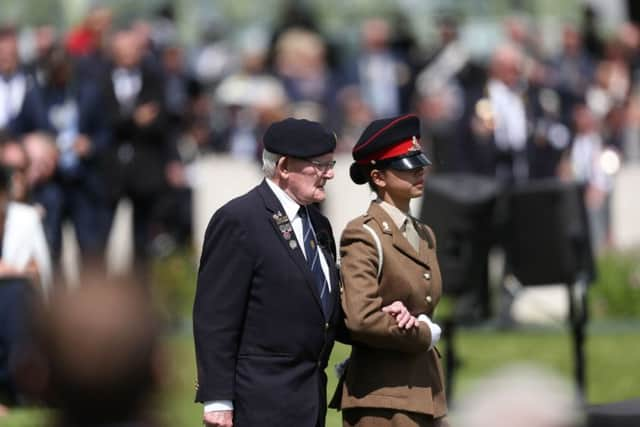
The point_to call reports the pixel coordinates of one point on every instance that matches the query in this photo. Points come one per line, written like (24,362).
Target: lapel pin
(385,226)
(280,218)
(293,244)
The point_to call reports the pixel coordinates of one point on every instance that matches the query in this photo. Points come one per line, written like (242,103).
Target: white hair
(269,163)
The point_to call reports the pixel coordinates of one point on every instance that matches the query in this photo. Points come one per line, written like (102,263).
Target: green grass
(613,355)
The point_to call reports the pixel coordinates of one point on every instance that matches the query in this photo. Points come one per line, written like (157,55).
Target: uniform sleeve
(224,279)
(362,303)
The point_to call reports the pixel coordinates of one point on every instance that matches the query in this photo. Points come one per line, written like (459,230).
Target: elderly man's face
(307,178)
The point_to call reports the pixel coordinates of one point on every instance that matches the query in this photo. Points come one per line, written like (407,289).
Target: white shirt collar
(289,205)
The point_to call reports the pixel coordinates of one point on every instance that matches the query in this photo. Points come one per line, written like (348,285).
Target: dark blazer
(32,115)
(261,337)
(91,122)
(389,367)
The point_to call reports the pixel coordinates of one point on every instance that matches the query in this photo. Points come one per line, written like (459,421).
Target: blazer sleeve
(362,303)
(223,284)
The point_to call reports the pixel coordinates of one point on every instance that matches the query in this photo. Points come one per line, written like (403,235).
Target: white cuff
(218,405)
(435,329)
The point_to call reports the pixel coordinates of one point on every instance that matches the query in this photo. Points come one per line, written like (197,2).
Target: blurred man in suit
(139,153)
(75,111)
(21,107)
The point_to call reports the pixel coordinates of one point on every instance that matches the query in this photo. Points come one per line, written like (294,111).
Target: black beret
(388,143)
(299,138)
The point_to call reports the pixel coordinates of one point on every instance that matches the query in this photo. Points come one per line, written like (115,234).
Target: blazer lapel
(292,246)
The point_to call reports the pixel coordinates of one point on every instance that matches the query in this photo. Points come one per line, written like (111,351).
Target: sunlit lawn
(613,357)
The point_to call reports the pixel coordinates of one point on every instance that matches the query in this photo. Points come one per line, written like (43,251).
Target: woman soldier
(394,376)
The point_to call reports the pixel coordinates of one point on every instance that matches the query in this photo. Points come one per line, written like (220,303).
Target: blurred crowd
(101,112)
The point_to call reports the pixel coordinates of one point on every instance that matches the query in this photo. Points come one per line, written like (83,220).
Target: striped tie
(312,251)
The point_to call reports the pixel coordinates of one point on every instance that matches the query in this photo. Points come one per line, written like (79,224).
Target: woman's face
(400,184)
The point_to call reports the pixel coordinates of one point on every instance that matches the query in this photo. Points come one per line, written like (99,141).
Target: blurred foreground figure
(518,396)
(93,356)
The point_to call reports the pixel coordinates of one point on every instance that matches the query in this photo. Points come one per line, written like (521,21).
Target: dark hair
(362,173)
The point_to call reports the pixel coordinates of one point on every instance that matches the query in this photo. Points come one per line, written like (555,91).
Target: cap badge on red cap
(416,145)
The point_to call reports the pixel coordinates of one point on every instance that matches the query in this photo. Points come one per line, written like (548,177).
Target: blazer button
(326,326)
(427,275)
(428,298)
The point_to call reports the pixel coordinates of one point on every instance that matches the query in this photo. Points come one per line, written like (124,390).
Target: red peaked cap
(388,143)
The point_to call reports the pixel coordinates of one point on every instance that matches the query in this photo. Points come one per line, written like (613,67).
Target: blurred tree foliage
(174,284)
(616,291)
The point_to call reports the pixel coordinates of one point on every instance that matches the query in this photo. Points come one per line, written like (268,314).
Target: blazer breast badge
(284,225)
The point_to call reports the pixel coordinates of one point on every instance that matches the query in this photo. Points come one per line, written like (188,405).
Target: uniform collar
(397,216)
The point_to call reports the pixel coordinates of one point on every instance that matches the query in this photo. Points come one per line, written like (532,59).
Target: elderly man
(266,310)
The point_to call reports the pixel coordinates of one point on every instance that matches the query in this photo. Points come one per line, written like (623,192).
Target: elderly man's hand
(218,419)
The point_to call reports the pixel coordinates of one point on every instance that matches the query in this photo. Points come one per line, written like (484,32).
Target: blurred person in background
(179,86)
(585,165)
(92,58)
(151,53)
(45,38)
(25,273)
(612,82)
(45,193)
(572,70)
(214,56)
(496,121)
(164,31)
(181,91)
(89,36)
(75,111)
(300,63)
(137,159)
(631,135)
(251,99)
(355,115)
(21,106)
(440,95)
(292,15)
(590,27)
(94,355)
(520,396)
(510,134)
(383,76)
(519,31)
(391,287)
(14,158)
(549,134)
